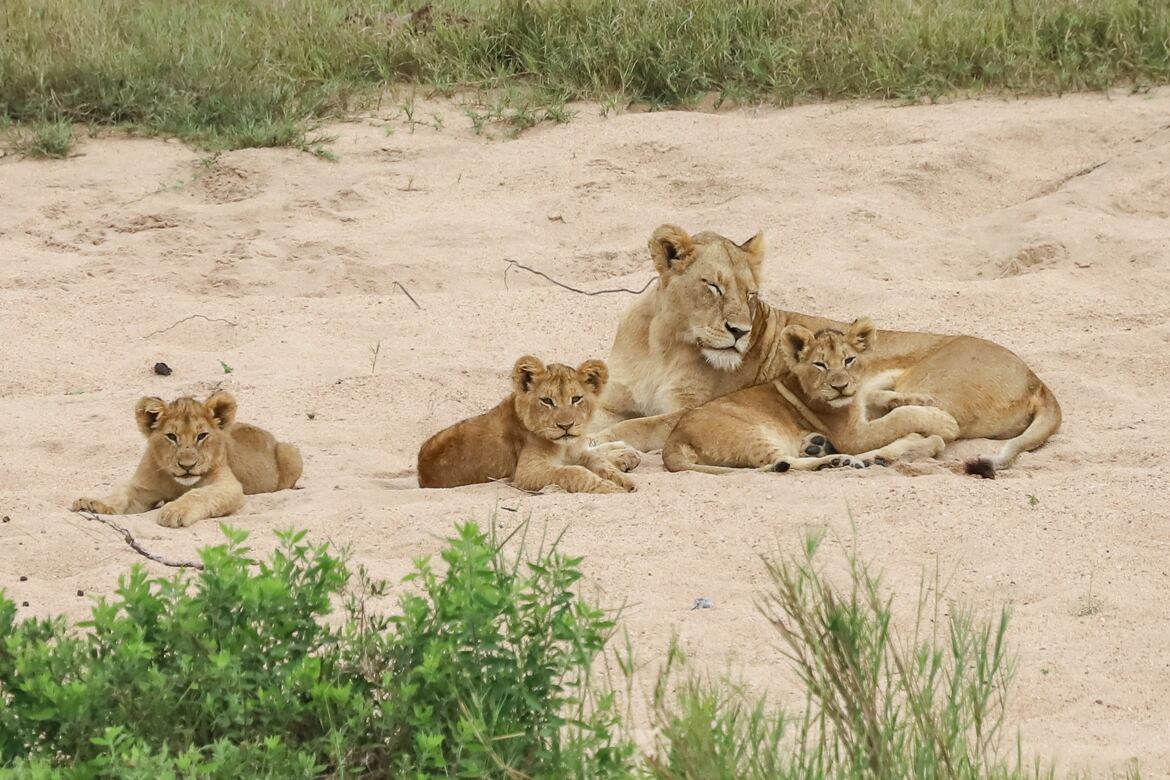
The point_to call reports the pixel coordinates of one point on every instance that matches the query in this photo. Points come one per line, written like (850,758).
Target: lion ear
(862,334)
(222,406)
(754,247)
(794,340)
(148,411)
(672,249)
(525,372)
(593,374)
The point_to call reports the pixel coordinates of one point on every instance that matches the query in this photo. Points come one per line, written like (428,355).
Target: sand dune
(1042,224)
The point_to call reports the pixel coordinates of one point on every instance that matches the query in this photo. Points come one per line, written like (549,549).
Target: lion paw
(845,462)
(93,505)
(175,515)
(608,486)
(816,445)
(620,455)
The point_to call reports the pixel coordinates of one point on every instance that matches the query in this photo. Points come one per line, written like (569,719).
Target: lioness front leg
(215,500)
(645,434)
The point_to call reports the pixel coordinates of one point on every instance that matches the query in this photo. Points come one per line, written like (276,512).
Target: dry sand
(1042,224)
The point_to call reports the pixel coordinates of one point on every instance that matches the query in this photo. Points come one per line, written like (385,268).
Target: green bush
(236,673)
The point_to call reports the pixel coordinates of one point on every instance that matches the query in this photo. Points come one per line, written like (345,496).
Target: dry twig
(513,263)
(193,316)
(408,295)
(138,548)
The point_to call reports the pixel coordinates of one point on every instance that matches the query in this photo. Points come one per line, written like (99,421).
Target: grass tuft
(45,140)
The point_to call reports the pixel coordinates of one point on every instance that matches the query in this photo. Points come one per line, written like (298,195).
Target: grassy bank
(492,665)
(231,73)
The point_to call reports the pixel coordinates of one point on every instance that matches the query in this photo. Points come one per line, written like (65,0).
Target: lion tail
(1046,418)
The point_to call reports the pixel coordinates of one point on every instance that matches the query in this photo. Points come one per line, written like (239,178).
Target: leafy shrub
(235,673)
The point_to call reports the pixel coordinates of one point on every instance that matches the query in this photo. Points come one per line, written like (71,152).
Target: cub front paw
(607,486)
(621,455)
(93,505)
(177,516)
(621,480)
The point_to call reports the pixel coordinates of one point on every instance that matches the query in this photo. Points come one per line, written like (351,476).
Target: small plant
(374,350)
(52,140)
(929,705)
(226,368)
(1032,500)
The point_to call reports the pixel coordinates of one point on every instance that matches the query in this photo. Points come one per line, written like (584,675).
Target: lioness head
(828,364)
(556,401)
(710,284)
(186,438)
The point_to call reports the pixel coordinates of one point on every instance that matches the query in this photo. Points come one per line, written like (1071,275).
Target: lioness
(827,403)
(703,332)
(199,460)
(535,436)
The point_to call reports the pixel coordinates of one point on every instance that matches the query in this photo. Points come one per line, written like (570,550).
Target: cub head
(709,285)
(556,401)
(185,438)
(828,364)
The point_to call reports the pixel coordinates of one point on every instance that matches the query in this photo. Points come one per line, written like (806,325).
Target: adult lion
(703,332)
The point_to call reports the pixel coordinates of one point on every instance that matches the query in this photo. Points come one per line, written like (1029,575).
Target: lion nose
(736,332)
(565,426)
(187,465)
(839,388)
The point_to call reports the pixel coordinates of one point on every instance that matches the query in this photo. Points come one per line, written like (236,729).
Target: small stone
(80,592)
(24,603)
(6,519)
(162,369)
(23,578)
(703,603)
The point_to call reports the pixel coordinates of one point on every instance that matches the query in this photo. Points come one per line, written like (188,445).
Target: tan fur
(535,436)
(199,443)
(770,426)
(660,369)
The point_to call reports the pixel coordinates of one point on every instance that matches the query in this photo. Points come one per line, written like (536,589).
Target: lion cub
(536,436)
(824,405)
(200,461)
(858,411)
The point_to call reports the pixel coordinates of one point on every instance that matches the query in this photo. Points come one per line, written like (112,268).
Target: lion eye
(850,361)
(201,437)
(174,439)
(714,288)
(576,400)
(547,402)
(821,366)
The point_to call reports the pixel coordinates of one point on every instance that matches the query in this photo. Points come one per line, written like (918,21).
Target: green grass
(493,667)
(231,73)
(45,140)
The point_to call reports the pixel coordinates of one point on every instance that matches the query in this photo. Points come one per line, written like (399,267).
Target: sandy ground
(1041,224)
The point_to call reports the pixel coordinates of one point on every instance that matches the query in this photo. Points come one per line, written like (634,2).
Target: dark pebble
(24,603)
(6,519)
(80,592)
(162,369)
(23,578)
